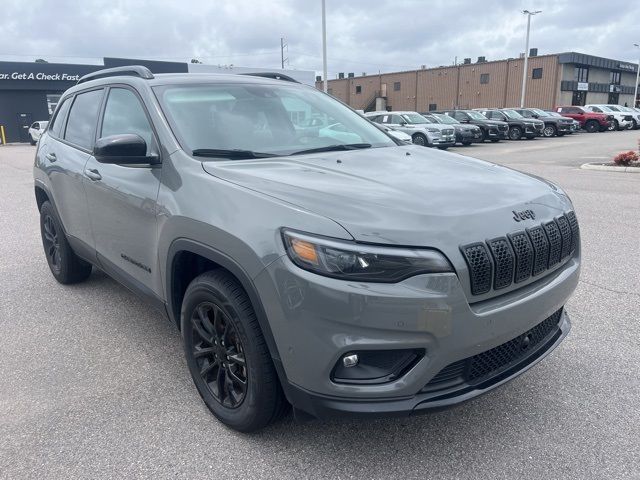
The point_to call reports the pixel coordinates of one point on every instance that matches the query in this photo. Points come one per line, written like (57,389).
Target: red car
(590,121)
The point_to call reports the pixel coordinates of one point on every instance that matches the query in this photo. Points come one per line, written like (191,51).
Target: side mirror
(126,148)
(403,123)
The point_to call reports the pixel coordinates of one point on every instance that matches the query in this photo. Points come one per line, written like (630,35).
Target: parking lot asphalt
(93,383)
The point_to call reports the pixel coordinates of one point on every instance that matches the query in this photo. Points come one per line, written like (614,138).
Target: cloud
(363,35)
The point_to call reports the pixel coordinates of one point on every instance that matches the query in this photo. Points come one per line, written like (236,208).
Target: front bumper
(445,141)
(317,320)
(468,136)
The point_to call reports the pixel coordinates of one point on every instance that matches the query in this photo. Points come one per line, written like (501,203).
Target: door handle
(51,157)
(93,174)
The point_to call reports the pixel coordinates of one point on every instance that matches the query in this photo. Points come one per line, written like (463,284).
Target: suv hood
(411,196)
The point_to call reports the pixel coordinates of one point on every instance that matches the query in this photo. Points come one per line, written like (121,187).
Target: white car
(35,130)
(635,114)
(621,120)
(422,131)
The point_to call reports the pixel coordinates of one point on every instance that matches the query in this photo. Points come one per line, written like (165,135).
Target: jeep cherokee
(493,130)
(343,274)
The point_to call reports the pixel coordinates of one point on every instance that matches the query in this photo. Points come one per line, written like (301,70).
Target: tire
(64,264)
(634,125)
(515,133)
(442,148)
(549,131)
(217,316)
(562,134)
(615,126)
(592,126)
(485,135)
(31,140)
(495,140)
(466,143)
(420,139)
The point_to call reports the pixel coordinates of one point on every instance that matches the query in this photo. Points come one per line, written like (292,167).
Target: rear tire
(64,264)
(227,354)
(420,139)
(592,126)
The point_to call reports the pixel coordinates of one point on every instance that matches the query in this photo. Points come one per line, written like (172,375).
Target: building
(569,78)
(29,91)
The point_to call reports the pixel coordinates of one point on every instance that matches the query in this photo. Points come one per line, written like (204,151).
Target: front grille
(520,255)
(478,368)
(503,128)
(447,131)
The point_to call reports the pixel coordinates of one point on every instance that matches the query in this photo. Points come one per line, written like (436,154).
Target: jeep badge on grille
(523,215)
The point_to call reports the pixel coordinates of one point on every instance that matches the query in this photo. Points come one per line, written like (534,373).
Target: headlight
(365,263)
(432,130)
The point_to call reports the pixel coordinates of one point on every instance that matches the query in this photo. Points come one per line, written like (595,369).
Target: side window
(57,124)
(460,115)
(124,114)
(484,78)
(596,109)
(83,117)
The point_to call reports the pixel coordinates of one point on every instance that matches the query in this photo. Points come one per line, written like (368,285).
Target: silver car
(423,131)
(330,269)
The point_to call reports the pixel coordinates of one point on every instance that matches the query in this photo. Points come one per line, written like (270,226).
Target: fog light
(350,360)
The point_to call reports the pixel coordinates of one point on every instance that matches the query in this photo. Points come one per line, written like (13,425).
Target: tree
(41,60)
(195,60)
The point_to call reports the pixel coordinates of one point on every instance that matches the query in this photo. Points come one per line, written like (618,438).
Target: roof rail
(133,70)
(273,75)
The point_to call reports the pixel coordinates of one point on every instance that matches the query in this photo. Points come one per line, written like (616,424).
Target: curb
(609,168)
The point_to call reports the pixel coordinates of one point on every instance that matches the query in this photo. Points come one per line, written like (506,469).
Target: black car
(519,126)
(465,134)
(553,125)
(491,129)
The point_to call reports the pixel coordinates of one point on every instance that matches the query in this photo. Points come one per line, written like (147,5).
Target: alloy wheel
(219,354)
(52,243)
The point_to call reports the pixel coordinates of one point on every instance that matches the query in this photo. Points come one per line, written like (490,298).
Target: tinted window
(484,78)
(537,73)
(57,123)
(396,86)
(358,89)
(124,114)
(83,116)
(581,74)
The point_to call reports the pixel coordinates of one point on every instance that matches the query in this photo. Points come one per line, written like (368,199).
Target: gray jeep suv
(341,273)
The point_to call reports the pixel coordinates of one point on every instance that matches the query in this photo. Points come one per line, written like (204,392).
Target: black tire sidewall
(250,414)
(425,140)
(515,129)
(592,126)
(554,130)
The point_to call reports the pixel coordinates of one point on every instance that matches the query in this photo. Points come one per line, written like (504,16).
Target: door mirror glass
(125,148)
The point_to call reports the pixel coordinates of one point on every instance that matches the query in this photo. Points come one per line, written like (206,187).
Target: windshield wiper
(233,153)
(332,148)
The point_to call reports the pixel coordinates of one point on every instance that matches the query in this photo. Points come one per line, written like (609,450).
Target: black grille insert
(480,367)
(540,244)
(555,243)
(480,267)
(503,260)
(565,233)
(575,230)
(524,255)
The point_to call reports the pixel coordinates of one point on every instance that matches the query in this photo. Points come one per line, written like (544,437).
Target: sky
(363,36)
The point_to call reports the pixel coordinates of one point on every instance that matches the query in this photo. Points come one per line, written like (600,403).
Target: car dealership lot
(93,382)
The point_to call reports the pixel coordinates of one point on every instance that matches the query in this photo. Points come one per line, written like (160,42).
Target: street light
(635,95)
(526,54)
(324,48)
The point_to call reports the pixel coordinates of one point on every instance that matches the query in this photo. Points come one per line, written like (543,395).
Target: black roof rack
(133,70)
(273,75)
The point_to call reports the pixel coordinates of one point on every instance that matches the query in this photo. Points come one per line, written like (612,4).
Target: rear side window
(124,114)
(81,126)
(57,124)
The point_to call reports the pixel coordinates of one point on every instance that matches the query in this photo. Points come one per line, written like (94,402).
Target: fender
(220,258)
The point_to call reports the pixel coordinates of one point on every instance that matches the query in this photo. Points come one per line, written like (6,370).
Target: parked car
(491,129)
(553,125)
(423,132)
(35,131)
(575,125)
(589,121)
(465,134)
(635,115)
(344,279)
(398,135)
(519,127)
(621,120)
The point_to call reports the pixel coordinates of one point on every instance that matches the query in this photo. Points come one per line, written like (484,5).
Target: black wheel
(515,133)
(634,124)
(549,130)
(592,126)
(442,148)
(614,125)
(227,354)
(495,140)
(466,143)
(64,264)
(485,135)
(420,139)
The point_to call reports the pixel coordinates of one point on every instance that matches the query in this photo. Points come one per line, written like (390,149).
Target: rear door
(66,153)
(122,198)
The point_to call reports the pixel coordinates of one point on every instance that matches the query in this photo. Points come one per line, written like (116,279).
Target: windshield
(511,114)
(415,118)
(476,115)
(540,113)
(613,108)
(270,119)
(446,119)
(600,108)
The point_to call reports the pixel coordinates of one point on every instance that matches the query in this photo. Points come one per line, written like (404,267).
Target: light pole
(526,54)
(635,95)
(324,48)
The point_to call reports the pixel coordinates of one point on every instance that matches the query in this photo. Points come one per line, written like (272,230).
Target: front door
(24,122)
(579,98)
(122,198)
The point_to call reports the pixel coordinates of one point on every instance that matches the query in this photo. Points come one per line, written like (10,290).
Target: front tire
(592,126)
(515,133)
(549,131)
(615,126)
(420,139)
(64,264)
(227,354)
